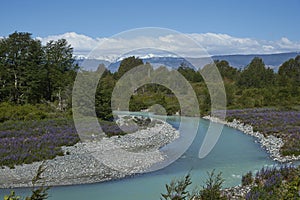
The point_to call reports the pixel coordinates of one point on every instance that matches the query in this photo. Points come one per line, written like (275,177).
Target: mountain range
(238,61)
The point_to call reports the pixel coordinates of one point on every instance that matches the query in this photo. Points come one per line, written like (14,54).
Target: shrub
(177,189)
(27,112)
(212,188)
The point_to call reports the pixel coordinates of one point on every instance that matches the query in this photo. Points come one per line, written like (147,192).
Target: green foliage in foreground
(37,193)
(177,189)
(268,183)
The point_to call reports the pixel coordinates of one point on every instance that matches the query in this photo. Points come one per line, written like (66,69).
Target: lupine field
(29,141)
(269,121)
(274,183)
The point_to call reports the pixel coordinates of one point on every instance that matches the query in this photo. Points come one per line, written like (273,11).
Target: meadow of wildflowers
(276,183)
(269,121)
(29,141)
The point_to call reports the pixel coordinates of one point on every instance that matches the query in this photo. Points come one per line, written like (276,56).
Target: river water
(234,155)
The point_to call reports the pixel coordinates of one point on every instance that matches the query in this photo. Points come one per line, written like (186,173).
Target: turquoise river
(234,154)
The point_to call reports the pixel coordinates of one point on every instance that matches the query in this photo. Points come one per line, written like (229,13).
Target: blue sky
(273,26)
(265,20)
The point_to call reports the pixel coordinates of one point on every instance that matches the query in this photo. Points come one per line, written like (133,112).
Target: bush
(212,188)
(177,190)
(27,112)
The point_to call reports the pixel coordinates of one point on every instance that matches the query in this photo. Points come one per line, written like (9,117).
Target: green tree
(189,73)
(60,70)
(227,72)
(289,76)
(128,64)
(255,75)
(103,97)
(21,70)
(289,72)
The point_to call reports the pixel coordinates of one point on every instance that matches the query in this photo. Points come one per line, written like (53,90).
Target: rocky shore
(271,143)
(100,160)
(236,193)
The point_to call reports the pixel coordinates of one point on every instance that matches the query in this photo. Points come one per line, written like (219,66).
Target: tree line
(254,86)
(32,73)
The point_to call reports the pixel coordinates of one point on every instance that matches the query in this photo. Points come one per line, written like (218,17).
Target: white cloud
(213,43)
(82,44)
(285,40)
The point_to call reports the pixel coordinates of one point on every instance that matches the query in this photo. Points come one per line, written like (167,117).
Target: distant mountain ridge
(272,60)
(238,61)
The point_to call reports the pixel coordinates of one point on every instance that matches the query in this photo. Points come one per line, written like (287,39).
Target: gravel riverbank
(271,143)
(96,161)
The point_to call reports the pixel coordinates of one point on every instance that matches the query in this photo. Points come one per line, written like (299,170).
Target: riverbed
(234,154)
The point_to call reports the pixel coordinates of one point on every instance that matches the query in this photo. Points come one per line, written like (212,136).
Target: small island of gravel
(99,160)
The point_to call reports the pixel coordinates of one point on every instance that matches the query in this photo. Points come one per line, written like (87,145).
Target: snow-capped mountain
(170,60)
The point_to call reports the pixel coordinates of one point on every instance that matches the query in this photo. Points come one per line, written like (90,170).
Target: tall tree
(227,72)
(256,75)
(128,64)
(60,69)
(103,97)
(289,72)
(189,73)
(20,68)
(289,77)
